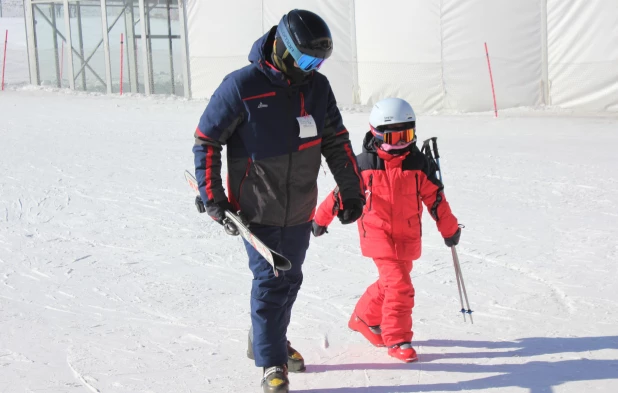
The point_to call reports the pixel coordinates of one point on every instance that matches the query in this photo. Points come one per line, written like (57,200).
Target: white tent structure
(562,53)
(431,52)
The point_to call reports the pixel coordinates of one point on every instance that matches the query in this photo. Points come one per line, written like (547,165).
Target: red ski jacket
(395,186)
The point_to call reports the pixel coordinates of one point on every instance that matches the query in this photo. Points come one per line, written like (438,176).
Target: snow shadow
(537,376)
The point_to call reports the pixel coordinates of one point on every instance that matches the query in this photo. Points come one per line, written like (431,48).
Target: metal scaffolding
(71,32)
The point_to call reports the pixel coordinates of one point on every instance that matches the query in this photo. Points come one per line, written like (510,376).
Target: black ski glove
(453,240)
(318,230)
(352,210)
(216,211)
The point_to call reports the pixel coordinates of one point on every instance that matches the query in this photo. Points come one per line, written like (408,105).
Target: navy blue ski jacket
(272,168)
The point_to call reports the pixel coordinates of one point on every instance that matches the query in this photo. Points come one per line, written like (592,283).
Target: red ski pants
(388,302)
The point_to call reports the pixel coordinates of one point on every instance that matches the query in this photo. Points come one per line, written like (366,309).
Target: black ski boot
(275,379)
(296,362)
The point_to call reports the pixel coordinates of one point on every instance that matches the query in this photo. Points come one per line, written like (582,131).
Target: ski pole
(463,286)
(433,156)
(457,277)
(434,142)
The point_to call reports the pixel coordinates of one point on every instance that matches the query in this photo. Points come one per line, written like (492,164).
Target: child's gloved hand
(352,210)
(453,240)
(318,230)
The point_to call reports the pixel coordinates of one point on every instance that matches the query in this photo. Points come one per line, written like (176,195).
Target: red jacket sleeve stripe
(200,133)
(353,162)
(208,172)
(309,144)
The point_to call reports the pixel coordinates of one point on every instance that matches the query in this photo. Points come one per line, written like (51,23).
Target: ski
(278,261)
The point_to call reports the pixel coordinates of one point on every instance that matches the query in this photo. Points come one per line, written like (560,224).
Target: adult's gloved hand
(216,211)
(352,210)
(453,240)
(318,230)
(200,204)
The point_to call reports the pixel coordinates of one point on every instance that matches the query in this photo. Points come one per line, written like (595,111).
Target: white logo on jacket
(262,105)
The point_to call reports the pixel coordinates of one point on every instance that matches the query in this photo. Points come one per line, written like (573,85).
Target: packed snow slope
(110,281)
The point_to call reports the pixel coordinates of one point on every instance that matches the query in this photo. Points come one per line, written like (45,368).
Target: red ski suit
(390,231)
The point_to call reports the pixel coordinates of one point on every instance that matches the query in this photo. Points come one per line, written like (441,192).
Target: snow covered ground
(110,281)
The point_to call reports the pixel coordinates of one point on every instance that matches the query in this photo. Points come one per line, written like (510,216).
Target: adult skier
(277,116)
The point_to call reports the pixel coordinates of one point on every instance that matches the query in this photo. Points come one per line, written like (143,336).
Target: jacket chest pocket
(378,198)
(409,191)
(262,106)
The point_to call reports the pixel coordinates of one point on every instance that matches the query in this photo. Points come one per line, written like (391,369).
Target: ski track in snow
(82,379)
(102,252)
(556,292)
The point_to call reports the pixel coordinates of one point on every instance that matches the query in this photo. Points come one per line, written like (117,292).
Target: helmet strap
(278,61)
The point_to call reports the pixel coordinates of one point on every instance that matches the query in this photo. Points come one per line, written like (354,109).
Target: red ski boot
(371,333)
(403,352)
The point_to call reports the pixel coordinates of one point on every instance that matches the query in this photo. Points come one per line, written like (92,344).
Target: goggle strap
(305,62)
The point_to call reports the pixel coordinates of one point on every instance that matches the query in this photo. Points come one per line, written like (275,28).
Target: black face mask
(285,63)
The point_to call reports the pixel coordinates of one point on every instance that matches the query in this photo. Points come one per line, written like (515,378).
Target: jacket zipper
(418,205)
(418,192)
(303,112)
(363,225)
(420,224)
(289,172)
(370,204)
(244,178)
(287,188)
(370,191)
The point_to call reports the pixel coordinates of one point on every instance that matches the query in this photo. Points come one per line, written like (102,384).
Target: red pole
(121,60)
(6,40)
(491,78)
(61,62)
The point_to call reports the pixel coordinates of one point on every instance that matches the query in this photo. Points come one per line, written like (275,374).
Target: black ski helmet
(311,34)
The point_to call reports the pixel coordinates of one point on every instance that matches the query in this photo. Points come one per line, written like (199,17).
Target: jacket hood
(369,143)
(260,51)
(260,55)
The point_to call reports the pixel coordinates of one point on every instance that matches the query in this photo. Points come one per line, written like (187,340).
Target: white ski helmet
(391,111)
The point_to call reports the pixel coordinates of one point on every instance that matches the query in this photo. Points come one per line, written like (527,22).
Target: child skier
(397,177)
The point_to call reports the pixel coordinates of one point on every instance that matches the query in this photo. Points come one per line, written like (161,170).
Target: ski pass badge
(307,125)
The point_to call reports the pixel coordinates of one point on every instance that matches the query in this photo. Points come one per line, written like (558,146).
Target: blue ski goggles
(305,62)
